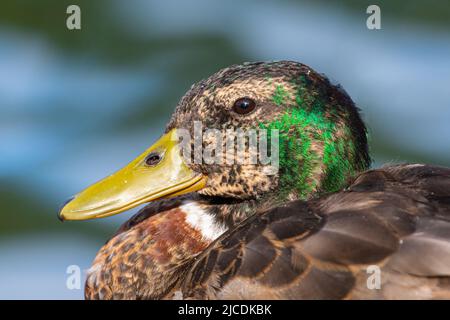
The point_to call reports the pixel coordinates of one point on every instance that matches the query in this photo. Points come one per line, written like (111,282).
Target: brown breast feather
(144,260)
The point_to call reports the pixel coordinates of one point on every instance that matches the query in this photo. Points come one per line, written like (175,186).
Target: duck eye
(244,105)
(153,159)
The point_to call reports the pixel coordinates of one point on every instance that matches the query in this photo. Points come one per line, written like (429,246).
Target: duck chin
(244,182)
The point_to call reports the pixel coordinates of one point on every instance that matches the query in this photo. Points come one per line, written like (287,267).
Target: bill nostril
(153,159)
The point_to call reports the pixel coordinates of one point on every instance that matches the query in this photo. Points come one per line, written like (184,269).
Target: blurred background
(77,105)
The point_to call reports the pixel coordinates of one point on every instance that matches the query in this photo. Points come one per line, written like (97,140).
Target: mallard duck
(316,228)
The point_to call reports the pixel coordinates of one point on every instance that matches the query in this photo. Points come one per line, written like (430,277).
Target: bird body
(322,226)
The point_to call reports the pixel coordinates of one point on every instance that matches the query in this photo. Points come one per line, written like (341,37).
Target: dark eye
(153,159)
(244,105)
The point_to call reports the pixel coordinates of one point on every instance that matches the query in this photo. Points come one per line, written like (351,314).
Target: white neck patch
(202,221)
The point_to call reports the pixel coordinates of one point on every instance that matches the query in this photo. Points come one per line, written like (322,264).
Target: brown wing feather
(397,218)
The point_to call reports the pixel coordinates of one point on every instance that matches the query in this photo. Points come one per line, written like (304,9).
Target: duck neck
(203,220)
(230,212)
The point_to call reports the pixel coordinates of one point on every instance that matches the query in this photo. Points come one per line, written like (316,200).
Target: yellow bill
(159,172)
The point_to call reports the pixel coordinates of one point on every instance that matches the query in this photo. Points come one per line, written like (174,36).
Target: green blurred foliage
(432,13)
(22,211)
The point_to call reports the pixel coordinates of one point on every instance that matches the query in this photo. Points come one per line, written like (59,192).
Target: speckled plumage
(143,256)
(308,232)
(322,134)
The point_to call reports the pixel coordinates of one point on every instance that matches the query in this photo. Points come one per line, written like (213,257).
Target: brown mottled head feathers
(277,88)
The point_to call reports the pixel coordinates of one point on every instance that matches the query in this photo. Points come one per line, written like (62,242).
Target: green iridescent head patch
(316,144)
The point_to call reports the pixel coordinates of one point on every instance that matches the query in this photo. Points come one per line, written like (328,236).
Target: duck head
(313,135)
